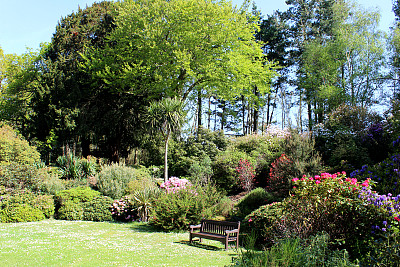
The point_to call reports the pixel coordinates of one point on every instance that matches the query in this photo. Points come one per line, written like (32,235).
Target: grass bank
(78,243)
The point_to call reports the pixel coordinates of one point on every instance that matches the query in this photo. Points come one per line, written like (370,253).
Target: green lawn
(78,243)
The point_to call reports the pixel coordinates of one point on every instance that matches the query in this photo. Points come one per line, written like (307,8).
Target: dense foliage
(183,204)
(24,206)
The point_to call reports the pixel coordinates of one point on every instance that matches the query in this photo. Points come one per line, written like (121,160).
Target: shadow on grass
(144,228)
(199,245)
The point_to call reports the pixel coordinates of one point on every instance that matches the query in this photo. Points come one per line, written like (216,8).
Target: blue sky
(27,23)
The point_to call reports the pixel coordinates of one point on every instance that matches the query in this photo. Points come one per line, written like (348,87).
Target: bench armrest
(192,227)
(232,231)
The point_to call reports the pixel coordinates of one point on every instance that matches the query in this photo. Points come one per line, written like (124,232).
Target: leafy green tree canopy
(172,47)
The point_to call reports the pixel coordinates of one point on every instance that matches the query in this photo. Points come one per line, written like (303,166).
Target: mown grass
(78,243)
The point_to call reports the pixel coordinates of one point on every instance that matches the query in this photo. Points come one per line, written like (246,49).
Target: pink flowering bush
(330,203)
(124,210)
(173,184)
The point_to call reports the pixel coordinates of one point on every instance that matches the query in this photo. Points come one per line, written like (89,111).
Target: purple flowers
(388,203)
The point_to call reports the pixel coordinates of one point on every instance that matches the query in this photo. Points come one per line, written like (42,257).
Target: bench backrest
(218,227)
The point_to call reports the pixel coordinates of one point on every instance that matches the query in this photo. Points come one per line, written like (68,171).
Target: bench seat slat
(217,230)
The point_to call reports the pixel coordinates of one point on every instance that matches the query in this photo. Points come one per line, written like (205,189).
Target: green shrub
(83,203)
(70,211)
(224,169)
(21,213)
(69,202)
(194,150)
(113,180)
(263,223)
(224,208)
(18,176)
(340,138)
(48,181)
(24,206)
(14,148)
(252,201)
(76,195)
(142,180)
(177,210)
(98,209)
(201,171)
(45,203)
(23,176)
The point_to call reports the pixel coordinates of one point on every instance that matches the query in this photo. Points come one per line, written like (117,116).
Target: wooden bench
(222,231)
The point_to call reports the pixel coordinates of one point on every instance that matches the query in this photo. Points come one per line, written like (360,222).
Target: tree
(274,35)
(309,20)
(364,51)
(170,48)
(339,56)
(56,103)
(166,117)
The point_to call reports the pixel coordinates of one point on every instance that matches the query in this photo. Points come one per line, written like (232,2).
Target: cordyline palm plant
(166,116)
(143,201)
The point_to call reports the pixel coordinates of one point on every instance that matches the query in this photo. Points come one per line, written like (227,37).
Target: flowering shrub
(246,174)
(123,210)
(276,131)
(331,203)
(173,184)
(386,247)
(385,173)
(279,179)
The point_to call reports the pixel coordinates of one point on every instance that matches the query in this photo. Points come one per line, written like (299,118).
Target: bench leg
(226,242)
(237,241)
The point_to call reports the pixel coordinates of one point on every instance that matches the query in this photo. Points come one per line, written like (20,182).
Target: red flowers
(246,174)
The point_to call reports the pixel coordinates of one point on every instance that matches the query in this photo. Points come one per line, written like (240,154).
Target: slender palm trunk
(166,159)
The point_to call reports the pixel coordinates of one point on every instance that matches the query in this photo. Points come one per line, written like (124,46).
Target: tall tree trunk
(215,116)
(166,159)
(244,116)
(209,113)
(199,109)
(268,105)
(309,112)
(223,114)
(256,112)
